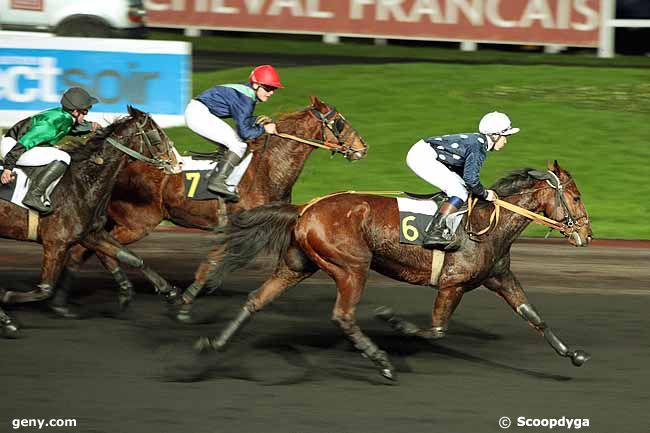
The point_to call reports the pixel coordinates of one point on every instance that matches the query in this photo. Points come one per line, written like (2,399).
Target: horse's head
(562,202)
(144,140)
(337,133)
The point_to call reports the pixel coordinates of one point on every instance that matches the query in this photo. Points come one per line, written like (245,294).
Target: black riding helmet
(76,98)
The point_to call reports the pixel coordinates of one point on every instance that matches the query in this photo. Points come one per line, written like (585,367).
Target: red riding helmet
(266,74)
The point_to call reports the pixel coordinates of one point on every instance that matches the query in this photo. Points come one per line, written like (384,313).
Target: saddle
(415,213)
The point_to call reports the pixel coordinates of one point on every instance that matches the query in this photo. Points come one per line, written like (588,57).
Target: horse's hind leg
(509,288)
(444,306)
(283,278)
(7,326)
(349,285)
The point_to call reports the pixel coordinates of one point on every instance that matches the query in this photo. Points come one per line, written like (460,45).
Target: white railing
(608,26)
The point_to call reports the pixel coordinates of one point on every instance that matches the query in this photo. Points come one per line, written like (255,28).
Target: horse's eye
(339,124)
(576,199)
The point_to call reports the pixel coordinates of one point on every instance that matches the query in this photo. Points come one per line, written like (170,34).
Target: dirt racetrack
(291,371)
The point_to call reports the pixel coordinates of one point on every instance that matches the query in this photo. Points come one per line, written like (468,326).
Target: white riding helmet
(496,123)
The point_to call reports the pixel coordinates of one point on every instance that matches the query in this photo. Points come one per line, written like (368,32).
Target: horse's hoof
(203,345)
(184,316)
(10,330)
(384,313)
(173,296)
(124,300)
(388,374)
(579,357)
(63,311)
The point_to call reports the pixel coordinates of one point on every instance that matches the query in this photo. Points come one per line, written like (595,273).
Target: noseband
(150,138)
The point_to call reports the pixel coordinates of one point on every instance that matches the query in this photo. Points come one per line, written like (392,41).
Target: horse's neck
(511,224)
(95,179)
(275,168)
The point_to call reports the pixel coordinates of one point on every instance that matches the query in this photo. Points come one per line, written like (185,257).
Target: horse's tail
(265,228)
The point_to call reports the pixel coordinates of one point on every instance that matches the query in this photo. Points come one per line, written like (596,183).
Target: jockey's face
(263,92)
(79,115)
(500,141)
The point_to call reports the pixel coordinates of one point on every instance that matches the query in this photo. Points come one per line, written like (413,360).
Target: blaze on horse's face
(569,208)
(339,130)
(157,142)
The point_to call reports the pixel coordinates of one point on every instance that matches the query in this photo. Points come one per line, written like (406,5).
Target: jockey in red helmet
(204,115)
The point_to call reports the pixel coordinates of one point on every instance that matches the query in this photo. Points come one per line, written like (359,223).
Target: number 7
(194,177)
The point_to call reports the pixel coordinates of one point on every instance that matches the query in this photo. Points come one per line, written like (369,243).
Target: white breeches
(39,155)
(422,159)
(199,119)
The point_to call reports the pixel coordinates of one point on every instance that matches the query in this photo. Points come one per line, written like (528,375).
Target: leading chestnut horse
(144,196)
(347,234)
(80,202)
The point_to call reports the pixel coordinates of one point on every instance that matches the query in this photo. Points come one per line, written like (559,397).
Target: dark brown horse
(80,202)
(144,196)
(347,234)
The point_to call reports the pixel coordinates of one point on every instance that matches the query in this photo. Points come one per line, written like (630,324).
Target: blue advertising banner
(153,76)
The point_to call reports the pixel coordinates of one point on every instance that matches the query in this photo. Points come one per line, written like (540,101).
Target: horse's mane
(514,182)
(282,120)
(82,151)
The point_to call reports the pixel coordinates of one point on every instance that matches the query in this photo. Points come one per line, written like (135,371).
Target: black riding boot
(34,197)
(217,181)
(438,234)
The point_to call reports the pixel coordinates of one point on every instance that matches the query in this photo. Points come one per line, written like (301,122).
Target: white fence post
(606,39)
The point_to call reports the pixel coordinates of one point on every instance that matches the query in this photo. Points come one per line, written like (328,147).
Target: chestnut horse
(80,203)
(347,234)
(143,196)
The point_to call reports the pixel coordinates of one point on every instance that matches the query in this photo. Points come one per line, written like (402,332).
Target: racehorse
(143,196)
(81,200)
(347,234)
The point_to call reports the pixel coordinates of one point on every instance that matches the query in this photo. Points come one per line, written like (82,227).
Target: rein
(566,228)
(151,138)
(331,120)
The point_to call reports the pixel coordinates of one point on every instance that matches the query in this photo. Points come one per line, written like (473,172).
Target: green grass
(594,121)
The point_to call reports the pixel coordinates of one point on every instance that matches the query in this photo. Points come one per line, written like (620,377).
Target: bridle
(151,139)
(570,222)
(568,226)
(334,122)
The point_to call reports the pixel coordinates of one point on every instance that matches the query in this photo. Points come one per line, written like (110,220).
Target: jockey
(453,164)
(31,141)
(204,113)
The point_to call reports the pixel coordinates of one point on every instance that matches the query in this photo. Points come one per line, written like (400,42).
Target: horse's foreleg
(282,279)
(125,286)
(54,256)
(7,326)
(509,288)
(103,243)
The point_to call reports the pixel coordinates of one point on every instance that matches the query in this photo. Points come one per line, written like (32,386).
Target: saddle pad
(415,216)
(15,191)
(196,173)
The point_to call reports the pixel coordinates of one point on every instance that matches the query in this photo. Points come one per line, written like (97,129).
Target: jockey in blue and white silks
(453,164)
(204,115)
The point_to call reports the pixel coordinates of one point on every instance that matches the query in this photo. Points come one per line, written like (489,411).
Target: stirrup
(37,205)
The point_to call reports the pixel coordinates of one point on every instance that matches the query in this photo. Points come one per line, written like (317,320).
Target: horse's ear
(554,167)
(318,104)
